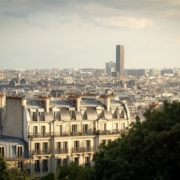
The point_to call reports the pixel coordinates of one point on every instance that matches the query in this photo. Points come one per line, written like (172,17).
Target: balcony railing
(40,152)
(110,132)
(78,133)
(70,133)
(82,149)
(61,151)
(39,135)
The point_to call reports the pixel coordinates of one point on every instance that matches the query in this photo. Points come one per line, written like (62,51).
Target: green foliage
(11,174)
(73,171)
(3,166)
(50,176)
(15,174)
(150,151)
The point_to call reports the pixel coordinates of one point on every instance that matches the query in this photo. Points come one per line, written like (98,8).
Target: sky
(84,33)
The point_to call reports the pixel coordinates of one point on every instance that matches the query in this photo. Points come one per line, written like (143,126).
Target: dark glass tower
(120,59)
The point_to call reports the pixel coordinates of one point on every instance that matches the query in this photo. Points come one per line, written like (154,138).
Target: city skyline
(76,34)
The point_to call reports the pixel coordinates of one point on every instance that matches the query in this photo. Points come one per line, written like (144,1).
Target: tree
(3,166)
(73,171)
(11,174)
(151,150)
(50,176)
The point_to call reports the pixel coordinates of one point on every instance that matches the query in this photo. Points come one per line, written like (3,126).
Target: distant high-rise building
(120,59)
(135,72)
(110,67)
(155,72)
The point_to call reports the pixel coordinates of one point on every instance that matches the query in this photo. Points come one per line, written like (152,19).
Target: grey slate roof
(90,103)
(91,113)
(60,103)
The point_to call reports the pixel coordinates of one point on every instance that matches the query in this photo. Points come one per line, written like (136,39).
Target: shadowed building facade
(120,59)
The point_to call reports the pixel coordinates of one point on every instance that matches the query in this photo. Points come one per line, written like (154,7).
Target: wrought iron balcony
(38,135)
(82,149)
(70,133)
(110,132)
(40,152)
(61,151)
(88,149)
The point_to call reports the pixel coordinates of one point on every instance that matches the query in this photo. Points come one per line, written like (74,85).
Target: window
(60,130)
(76,159)
(20,165)
(73,116)
(85,128)
(41,116)
(35,130)
(2,151)
(88,143)
(58,145)
(58,163)
(114,115)
(45,165)
(37,148)
(57,115)
(37,166)
(65,147)
(87,146)
(19,151)
(43,130)
(122,114)
(34,116)
(74,128)
(116,126)
(45,148)
(87,160)
(104,126)
(123,126)
(76,144)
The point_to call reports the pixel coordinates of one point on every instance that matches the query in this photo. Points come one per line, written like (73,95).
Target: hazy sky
(84,33)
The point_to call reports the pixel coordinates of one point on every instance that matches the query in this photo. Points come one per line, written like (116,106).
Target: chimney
(107,103)
(23,102)
(47,105)
(78,100)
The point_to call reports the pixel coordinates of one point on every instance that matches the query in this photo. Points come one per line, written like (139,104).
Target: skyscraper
(110,67)
(120,59)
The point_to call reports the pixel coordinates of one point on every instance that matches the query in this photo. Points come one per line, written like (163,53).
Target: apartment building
(59,131)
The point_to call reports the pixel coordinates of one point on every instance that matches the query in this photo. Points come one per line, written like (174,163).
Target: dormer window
(2,151)
(41,116)
(114,115)
(34,116)
(19,151)
(122,114)
(72,113)
(57,115)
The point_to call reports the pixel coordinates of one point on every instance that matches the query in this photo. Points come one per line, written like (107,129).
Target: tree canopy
(73,171)
(150,151)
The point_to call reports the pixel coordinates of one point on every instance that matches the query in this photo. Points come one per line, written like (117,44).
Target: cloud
(18,14)
(65,21)
(34,24)
(122,21)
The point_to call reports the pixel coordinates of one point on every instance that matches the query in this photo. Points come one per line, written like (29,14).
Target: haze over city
(83,34)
